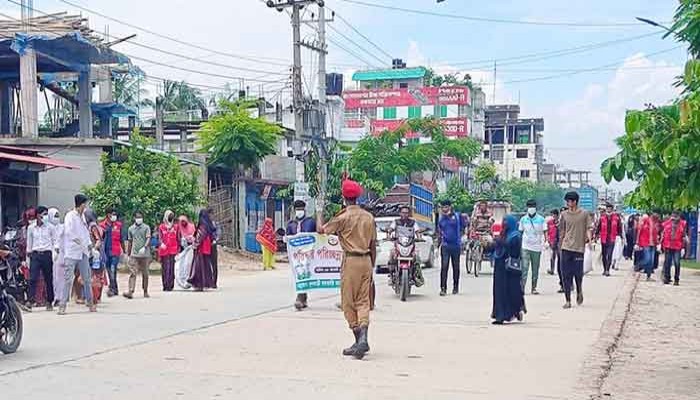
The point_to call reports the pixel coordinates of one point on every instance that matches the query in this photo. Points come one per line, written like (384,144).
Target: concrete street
(246,341)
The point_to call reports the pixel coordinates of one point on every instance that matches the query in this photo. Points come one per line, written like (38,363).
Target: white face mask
(531,210)
(138,221)
(299,214)
(113,218)
(45,219)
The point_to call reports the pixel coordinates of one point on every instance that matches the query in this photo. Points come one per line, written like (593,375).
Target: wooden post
(28,94)
(84,104)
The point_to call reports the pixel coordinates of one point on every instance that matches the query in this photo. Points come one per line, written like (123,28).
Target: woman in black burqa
(508,297)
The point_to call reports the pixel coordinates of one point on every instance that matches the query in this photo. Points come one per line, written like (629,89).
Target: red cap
(351,189)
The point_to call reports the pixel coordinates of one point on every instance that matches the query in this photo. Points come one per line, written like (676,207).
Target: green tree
(129,90)
(179,97)
(141,180)
(519,191)
(377,160)
(235,139)
(433,79)
(462,200)
(660,148)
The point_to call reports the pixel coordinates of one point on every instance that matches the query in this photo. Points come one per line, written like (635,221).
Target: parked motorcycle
(403,272)
(10,315)
(14,275)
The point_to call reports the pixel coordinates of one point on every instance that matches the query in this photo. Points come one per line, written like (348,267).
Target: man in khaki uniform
(357,235)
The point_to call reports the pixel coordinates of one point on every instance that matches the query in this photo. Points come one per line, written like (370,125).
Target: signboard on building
(372,98)
(588,198)
(454,127)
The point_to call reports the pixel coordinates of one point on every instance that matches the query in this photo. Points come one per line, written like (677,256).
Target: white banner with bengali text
(314,260)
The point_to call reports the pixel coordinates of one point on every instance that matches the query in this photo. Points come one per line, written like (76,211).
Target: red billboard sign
(454,127)
(448,95)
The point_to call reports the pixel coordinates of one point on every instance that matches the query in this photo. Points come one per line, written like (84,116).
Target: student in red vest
(673,239)
(114,246)
(648,235)
(608,229)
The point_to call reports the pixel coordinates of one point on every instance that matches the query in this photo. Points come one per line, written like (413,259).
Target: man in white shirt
(76,244)
(533,227)
(41,240)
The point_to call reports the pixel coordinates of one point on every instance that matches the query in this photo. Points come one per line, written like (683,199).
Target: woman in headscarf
(167,233)
(186,231)
(58,274)
(201,274)
(268,240)
(98,271)
(508,298)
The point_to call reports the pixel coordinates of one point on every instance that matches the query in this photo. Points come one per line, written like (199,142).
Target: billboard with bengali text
(372,98)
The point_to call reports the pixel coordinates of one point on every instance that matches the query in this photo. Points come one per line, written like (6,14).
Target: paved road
(245,341)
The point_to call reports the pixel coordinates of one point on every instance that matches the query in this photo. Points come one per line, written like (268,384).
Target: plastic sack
(588,260)
(618,249)
(183,266)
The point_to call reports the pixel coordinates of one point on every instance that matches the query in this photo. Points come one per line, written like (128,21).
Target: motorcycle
(10,315)
(14,275)
(402,273)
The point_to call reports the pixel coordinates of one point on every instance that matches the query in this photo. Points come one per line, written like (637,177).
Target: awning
(45,161)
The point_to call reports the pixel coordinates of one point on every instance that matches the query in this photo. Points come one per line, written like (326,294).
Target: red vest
(168,237)
(614,221)
(648,232)
(116,238)
(674,240)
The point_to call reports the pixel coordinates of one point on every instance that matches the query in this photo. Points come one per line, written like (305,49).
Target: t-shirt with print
(533,229)
(139,235)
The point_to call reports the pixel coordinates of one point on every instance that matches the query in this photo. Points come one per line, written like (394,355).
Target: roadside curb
(599,362)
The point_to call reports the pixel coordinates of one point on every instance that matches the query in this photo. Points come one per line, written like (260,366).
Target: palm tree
(128,90)
(179,96)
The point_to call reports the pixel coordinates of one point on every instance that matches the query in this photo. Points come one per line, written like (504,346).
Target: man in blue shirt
(451,226)
(533,227)
(300,224)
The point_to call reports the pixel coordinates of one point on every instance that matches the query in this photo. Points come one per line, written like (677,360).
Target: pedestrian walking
(553,243)
(301,223)
(214,251)
(96,257)
(533,228)
(357,234)
(674,237)
(186,230)
(630,236)
(575,233)
(139,239)
(608,229)
(268,241)
(648,235)
(201,274)
(76,246)
(57,256)
(41,242)
(452,226)
(168,249)
(508,296)
(113,248)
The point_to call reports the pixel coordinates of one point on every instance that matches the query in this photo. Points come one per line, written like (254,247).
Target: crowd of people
(80,256)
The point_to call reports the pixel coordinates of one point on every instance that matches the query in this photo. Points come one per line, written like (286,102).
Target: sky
(583,110)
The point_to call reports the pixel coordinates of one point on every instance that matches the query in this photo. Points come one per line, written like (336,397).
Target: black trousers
(607,255)
(448,254)
(572,271)
(555,264)
(41,263)
(215,264)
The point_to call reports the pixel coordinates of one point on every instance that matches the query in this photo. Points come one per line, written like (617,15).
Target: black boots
(362,346)
(301,302)
(350,351)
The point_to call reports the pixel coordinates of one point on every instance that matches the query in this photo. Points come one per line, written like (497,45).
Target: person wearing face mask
(41,241)
(76,246)
(301,223)
(533,227)
(139,238)
(167,232)
(113,246)
(608,229)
